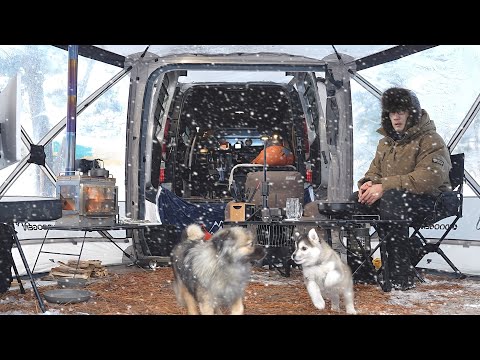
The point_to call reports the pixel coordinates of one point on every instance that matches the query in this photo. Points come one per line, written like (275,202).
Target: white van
(184,107)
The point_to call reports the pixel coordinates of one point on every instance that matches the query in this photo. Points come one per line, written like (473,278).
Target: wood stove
(87,200)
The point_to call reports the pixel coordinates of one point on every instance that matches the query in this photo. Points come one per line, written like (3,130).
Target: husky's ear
(313,236)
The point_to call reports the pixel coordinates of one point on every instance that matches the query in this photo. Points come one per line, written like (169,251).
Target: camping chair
(447,204)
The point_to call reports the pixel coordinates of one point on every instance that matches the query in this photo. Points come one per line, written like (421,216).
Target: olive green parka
(418,163)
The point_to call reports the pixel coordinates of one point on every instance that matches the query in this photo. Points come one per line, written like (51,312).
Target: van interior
(213,128)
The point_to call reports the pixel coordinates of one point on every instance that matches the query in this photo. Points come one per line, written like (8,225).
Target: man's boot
(402,274)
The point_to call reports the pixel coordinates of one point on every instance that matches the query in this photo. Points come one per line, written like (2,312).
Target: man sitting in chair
(410,169)
(277,153)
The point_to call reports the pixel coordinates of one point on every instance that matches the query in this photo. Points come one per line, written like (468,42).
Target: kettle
(98,171)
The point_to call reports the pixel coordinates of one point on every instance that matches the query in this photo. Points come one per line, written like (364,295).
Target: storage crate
(272,235)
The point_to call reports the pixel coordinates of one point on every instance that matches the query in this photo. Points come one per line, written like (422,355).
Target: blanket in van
(173,210)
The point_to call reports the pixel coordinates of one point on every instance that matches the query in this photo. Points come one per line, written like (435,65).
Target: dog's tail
(194,232)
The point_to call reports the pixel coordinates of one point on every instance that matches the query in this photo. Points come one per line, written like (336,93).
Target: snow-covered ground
(439,295)
(466,295)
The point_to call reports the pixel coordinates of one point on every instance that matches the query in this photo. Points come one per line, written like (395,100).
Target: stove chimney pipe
(72,108)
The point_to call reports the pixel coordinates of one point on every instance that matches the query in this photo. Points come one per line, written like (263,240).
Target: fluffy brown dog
(213,274)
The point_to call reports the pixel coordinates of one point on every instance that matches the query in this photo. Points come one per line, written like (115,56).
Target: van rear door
(316,156)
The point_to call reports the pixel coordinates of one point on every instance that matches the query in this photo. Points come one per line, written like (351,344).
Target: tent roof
(312,51)
(365,55)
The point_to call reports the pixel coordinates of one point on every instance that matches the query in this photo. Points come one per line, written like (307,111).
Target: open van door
(143,136)
(313,100)
(339,126)
(328,118)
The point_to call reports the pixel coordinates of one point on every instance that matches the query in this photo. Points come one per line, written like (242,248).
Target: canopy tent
(365,55)
(357,57)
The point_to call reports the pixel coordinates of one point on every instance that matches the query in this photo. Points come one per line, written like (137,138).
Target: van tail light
(161,176)
(308,173)
(309,176)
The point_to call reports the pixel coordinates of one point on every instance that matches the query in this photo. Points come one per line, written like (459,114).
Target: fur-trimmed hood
(399,99)
(419,162)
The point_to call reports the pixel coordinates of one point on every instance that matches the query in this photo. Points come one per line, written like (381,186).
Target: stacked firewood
(83,270)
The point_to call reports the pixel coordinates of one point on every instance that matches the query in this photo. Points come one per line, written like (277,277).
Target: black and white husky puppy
(324,272)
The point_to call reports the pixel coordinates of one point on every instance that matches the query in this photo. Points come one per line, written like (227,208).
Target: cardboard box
(240,211)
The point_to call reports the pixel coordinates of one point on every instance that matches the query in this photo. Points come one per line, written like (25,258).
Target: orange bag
(277,155)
